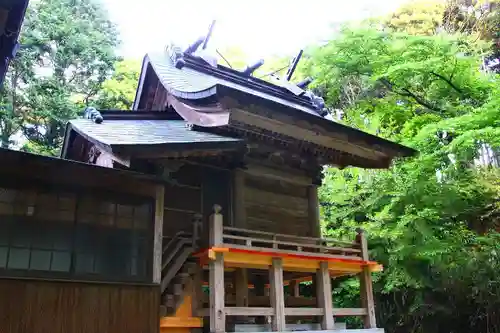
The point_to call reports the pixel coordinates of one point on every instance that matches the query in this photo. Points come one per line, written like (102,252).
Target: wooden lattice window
(82,234)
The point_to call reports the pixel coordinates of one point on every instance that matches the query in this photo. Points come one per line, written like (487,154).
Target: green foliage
(119,90)
(421,17)
(432,219)
(68,52)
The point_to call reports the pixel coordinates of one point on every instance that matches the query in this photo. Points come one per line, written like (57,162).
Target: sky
(260,28)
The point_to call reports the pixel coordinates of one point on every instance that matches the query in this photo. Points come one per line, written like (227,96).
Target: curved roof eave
(188,85)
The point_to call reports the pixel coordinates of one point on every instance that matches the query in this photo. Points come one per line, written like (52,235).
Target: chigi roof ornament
(199,48)
(176,55)
(299,88)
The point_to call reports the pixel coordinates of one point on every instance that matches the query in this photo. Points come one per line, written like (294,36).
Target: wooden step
(175,267)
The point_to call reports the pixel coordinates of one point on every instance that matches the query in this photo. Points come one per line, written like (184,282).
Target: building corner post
(367,299)
(216,275)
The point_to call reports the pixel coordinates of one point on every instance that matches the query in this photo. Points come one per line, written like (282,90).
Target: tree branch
(420,100)
(449,82)
(407,93)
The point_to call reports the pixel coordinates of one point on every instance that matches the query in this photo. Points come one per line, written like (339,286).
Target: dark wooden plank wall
(270,205)
(194,190)
(276,206)
(183,199)
(29,306)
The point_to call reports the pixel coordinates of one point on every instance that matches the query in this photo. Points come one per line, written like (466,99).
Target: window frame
(80,191)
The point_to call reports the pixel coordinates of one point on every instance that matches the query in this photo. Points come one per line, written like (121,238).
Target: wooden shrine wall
(276,206)
(270,205)
(194,189)
(182,200)
(28,306)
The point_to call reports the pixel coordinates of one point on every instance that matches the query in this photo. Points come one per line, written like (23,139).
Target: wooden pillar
(277,295)
(294,288)
(324,296)
(241,286)
(313,207)
(366,284)
(158,233)
(217,313)
(216,227)
(239,221)
(260,290)
(240,283)
(314,285)
(216,275)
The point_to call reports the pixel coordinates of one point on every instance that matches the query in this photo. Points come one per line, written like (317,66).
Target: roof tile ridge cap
(176,56)
(93,114)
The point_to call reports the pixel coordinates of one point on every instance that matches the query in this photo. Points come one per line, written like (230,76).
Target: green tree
(119,90)
(420,17)
(432,219)
(68,52)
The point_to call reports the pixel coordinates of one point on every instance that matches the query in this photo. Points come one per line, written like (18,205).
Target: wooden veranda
(238,251)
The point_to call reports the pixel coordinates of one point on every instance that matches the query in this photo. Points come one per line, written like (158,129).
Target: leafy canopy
(432,219)
(68,52)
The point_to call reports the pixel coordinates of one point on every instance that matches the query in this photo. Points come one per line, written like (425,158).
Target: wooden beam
(277,295)
(158,233)
(317,136)
(313,211)
(366,284)
(180,322)
(277,174)
(324,296)
(349,312)
(263,301)
(216,282)
(245,311)
(304,311)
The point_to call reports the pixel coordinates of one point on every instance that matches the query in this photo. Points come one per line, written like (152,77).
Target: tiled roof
(202,81)
(184,83)
(144,132)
